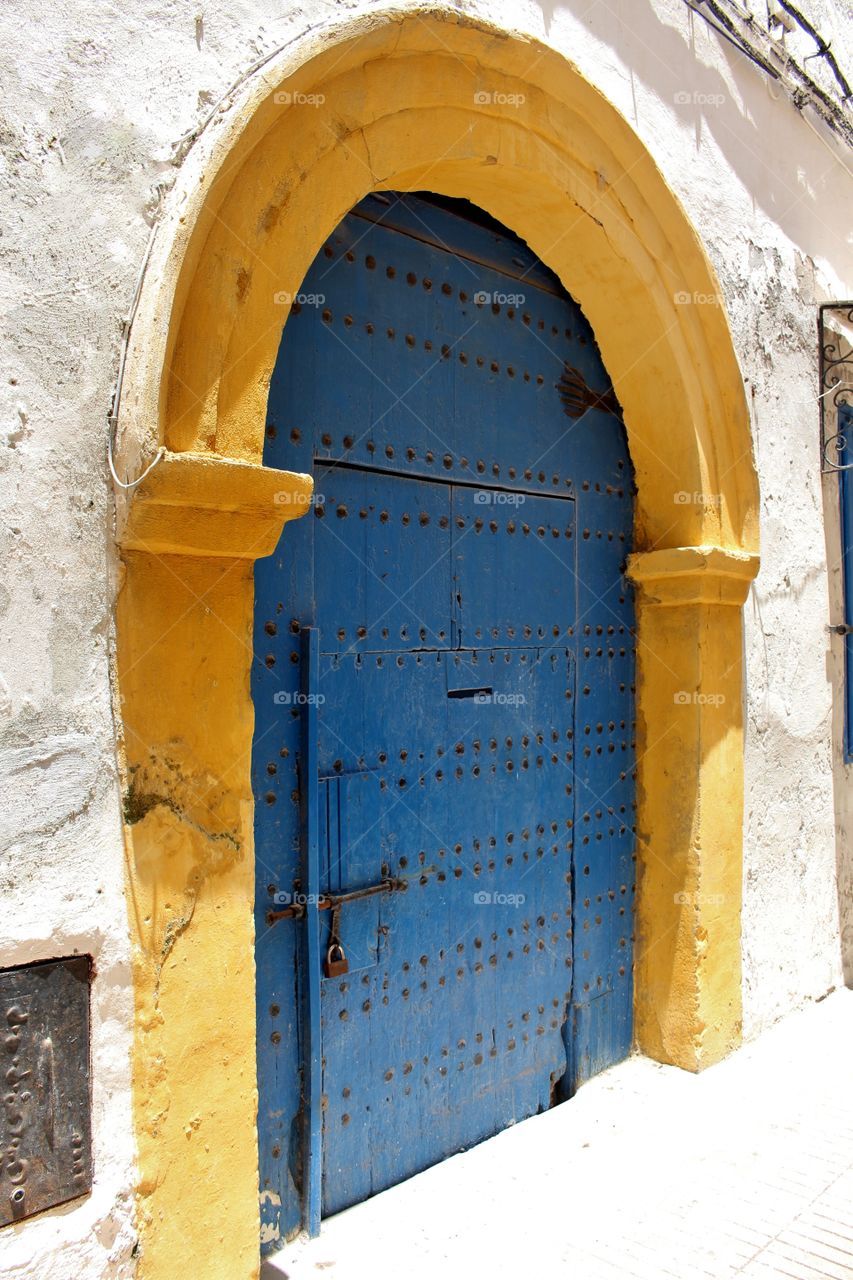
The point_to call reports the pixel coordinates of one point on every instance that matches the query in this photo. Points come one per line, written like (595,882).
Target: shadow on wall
(672,68)
(773,156)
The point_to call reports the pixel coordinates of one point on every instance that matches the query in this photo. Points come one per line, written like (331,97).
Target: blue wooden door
(443,689)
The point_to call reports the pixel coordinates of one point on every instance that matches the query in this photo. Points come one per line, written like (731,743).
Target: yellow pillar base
(185,641)
(690,742)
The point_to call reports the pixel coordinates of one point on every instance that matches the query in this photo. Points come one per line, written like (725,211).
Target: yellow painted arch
(429,102)
(435,101)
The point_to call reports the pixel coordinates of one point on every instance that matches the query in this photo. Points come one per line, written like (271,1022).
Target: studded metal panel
(46,1122)
(463,567)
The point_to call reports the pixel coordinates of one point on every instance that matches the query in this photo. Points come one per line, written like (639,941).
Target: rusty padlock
(336,961)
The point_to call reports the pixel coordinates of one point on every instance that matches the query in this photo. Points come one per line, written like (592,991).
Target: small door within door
(449,1024)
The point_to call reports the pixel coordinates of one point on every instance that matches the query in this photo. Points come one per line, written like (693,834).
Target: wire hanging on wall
(735,24)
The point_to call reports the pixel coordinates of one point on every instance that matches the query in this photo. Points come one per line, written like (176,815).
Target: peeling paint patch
(270,1231)
(163,783)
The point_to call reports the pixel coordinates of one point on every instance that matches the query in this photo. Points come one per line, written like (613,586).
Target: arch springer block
(693,575)
(198,504)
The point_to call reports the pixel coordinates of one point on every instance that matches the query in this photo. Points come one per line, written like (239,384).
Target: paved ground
(746,1170)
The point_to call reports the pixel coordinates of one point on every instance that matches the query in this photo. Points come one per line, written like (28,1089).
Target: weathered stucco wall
(95,104)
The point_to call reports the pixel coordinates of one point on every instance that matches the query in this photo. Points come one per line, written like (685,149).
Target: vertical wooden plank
(310,876)
(845,480)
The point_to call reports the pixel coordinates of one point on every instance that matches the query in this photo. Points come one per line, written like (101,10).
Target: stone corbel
(693,575)
(198,504)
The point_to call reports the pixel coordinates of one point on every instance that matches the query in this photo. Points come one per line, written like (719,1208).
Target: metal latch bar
(331,901)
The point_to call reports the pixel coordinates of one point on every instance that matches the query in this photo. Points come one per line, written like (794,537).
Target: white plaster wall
(93,98)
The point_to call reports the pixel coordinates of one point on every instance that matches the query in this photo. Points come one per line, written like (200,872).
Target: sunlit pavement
(745,1170)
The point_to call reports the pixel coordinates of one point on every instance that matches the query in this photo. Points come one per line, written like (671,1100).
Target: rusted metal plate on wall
(45,1121)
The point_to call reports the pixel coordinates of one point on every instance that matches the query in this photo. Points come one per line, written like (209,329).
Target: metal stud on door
(473,711)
